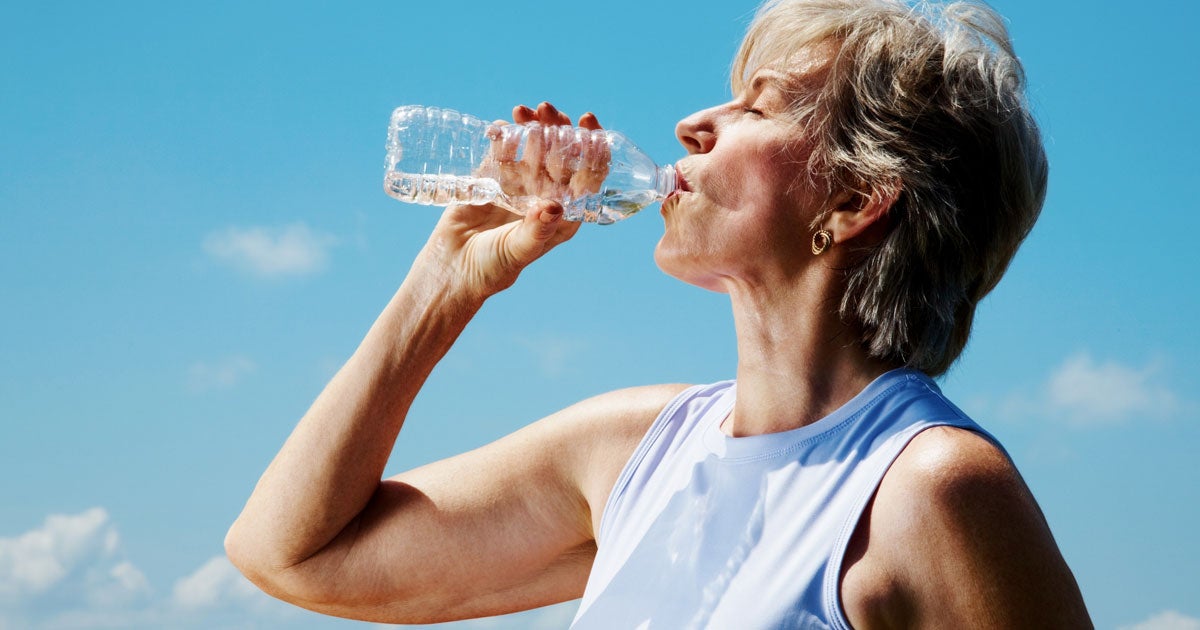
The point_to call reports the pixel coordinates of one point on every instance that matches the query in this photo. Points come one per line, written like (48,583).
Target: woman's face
(744,210)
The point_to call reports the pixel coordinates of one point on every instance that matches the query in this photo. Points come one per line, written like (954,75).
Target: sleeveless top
(703,530)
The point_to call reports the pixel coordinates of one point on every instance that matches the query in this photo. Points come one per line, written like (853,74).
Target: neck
(797,362)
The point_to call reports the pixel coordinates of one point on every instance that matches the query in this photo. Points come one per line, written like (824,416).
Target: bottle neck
(665,181)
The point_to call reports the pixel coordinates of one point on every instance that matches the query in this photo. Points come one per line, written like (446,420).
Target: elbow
(272,570)
(244,555)
(236,548)
(254,556)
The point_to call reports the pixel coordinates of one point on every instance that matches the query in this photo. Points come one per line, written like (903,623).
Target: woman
(865,188)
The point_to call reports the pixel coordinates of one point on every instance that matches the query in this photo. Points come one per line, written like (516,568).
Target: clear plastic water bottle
(441,157)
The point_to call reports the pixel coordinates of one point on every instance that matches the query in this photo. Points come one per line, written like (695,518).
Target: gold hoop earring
(821,241)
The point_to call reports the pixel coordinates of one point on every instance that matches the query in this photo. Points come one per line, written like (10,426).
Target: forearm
(329,469)
(332,463)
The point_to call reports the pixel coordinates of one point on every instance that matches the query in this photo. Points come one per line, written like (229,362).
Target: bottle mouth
(666,181)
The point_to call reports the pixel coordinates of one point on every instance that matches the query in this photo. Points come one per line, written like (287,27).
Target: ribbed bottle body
(441,157)
(433,156)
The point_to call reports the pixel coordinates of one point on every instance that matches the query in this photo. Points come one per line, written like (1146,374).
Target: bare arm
(502,528)
(956,540)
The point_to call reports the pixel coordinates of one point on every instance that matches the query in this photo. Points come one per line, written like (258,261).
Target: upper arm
(967,542)
(505,527)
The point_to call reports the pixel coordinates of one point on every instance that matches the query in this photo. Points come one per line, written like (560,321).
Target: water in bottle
(441,157)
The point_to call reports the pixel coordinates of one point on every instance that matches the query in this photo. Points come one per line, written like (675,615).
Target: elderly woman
(865,188)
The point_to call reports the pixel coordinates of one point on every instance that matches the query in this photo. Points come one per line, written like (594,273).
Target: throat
(797,361)
(775,400)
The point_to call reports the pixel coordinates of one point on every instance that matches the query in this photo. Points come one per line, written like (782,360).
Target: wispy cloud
(1167,620)
(215,584)
(71,558)
(271,252)
(222,374)
(1091,392)
(70,573)
(1084,392)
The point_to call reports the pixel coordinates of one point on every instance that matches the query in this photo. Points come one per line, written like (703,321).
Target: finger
(534,235)
(589,121)
(522,114)
(563,232)
(534,156)
(470,219)
(593,164)
(604,159)
(595,151)
(493,130)
(549,213)
(504,145)
(556,152)
(550,115)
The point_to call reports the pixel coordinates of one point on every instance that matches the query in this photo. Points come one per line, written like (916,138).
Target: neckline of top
(767,445)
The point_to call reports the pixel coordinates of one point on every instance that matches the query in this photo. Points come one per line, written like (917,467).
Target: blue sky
(193,237)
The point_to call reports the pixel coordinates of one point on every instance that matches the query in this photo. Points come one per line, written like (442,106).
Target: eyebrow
(766,78)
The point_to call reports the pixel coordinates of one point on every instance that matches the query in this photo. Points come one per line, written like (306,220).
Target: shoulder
(601,433)
(955,470)
(631,402)
(957,526)
(617,416)
(613,417)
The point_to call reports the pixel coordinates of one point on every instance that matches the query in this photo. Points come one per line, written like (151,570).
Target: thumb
(535,233)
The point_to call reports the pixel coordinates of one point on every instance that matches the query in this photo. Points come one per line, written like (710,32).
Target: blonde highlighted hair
(929,99)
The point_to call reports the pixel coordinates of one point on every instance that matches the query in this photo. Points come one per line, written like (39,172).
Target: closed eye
(752,111)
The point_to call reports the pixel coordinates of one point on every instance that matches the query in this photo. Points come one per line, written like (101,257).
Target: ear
(854,212)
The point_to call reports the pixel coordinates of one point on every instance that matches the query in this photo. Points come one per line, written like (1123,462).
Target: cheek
(749,181)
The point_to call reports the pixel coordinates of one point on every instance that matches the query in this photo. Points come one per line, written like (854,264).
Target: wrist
(438,290)
(461,272)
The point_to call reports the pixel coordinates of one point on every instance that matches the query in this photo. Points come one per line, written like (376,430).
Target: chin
(667,259)
(678,267)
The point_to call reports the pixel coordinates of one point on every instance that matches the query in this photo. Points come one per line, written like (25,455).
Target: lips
(681,184)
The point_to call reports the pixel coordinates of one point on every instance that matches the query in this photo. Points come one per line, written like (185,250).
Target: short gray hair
(928,99)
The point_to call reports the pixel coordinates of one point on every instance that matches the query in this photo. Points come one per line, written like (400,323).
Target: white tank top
(703,530)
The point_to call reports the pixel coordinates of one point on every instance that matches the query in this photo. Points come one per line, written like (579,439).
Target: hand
(485,247)
(553,164)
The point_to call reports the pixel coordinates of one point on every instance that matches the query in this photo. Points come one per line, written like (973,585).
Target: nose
(697,133)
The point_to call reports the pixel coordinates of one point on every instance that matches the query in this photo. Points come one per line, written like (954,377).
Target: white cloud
(1085,392)
(216,595)
(223,374)
(70,574)
(1167,620)
(215,584)
(1089,392)
(72,558)
(271,252)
